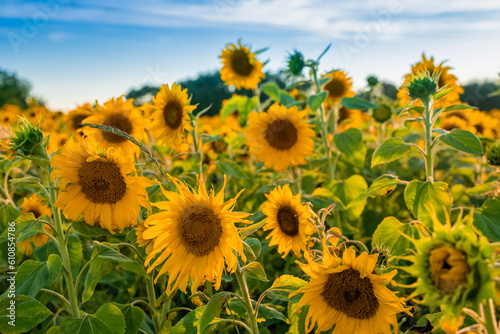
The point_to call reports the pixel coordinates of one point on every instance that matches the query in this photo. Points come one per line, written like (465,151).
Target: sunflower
(35,113)
(194,233)
(349,295)
(8,115)
(351,118)
(452,266)
(280,137)
(338,87)
(287,218)
(35,205)
(141,242)
(240,67)
(75,117)
(98,185)
(171,118)
(445,79)
(121,115)
(51,121)
(483,124)
(57,141)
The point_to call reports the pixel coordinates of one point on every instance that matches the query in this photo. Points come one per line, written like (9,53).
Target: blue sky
(76,51)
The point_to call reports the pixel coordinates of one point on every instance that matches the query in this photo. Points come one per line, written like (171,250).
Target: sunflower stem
(429,161)
(63,249)
(240,276)
(490,319)
(150,288)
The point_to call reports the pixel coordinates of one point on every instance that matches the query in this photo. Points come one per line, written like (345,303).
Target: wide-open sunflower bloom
(240,67)
(287,220)
(57,141)
(452,267)
(35,205)
(280,137)
(194,235)
(101,185)
(75,117)
(349,295)
(445,79)
(338,87)
(8,115)
(123,116)
(171,118)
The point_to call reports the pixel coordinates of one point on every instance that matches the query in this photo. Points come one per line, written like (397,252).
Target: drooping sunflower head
(101,185)
(444,79)
(122,115)
(195,236)
(280,137)
(348,294)
(452,266)
(338,87)
(383,113)
(75,117)
(171,118)
(35,205)
(287,218)
(240,67)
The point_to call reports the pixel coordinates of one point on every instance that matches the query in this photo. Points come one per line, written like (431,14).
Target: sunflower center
(200,230)
(479,128)
(240,63)
(77,120)
(102,182)
(350,294)
(281,134)
(35,213)
(288,220)
(172,114)
(449,268)
(119,122)
(335,87)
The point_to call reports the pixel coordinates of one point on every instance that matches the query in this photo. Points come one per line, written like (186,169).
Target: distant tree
(143,94)
(13,90)
(480,95)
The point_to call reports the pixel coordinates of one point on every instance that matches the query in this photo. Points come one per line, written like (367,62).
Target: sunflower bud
(296,63)
(372,81)
(383,113)
(28,140)
(493,155)
(422,86)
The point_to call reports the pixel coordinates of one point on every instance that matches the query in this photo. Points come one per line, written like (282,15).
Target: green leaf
(249,230)
(208,139)
(418,194)
(382,186)
(358,103)
(389,234)
(251,248)
(484,188)
(442,93)
(350,143)
(75,253)
(28,313)
(107,253)
(314,101)
(390,150)
(213,309)
(346,191)
(134,317)
(272,90)
(189,324)
(107,320)
(408,122)
(458,107)
(463,140)
(232,168)
(97,269)
(265,312)
(283,286)
(255,270)
(90,231)
(487,219)
(32,276)
(297,320)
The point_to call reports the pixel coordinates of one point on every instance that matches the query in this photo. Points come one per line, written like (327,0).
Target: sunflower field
(297,209)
